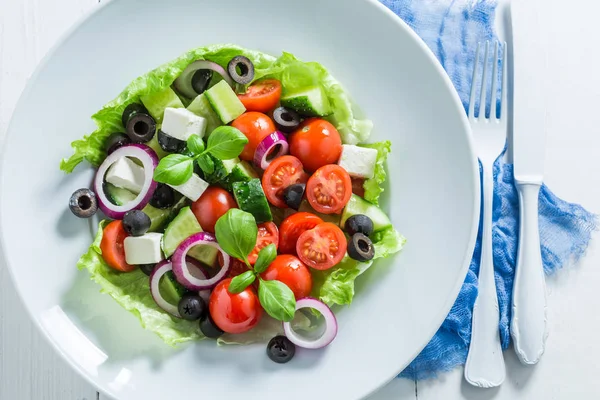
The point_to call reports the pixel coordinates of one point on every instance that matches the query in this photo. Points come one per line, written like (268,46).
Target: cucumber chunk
(157,102)
(201,107)
(310,103)
(241,172)
(358,205)
(170,289)
(225,102)
(251,198)
(183,226)
(117,195)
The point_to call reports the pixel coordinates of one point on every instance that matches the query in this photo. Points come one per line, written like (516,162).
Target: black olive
(191,307)
(209,328)
(280,349)
(141,128)
(163,197)
(201,79)
(359,223)
(286,120)
(116,140)
(147,268)
(361,248)
(131,110)
(241,70)
(169,143)
(293,194)
(136,222)
(83,203)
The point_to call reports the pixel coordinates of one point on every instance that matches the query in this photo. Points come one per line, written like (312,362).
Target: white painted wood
(29,368)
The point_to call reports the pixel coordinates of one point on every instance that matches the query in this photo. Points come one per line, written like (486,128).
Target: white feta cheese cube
(181,123)
(193,188)
(126,174)
(144,249)
(358,161)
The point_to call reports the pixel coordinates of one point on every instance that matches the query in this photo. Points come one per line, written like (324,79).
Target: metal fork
(485,362)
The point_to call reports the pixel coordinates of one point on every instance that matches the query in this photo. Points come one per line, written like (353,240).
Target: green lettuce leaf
(336,285)
(374,186)
(132,291)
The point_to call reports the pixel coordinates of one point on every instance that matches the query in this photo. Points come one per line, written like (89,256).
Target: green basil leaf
(174,169)
(195,144)
(277,299)
(265,257)
(241,282)
(226,142)
(206,163)
(236,233)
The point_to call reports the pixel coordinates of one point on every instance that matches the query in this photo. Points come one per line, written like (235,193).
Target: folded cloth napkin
(452,29)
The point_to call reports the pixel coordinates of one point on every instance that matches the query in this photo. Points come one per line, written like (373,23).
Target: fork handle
(485,362)
(529,328)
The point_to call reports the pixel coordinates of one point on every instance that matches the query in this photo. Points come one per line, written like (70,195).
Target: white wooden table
(30,370)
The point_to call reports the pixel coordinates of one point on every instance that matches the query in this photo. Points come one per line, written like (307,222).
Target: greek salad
(240,199)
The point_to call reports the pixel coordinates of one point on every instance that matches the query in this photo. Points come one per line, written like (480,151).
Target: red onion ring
(183,83)
(162,268)
(262,155)
(185,275)
(331,326)
(149,161)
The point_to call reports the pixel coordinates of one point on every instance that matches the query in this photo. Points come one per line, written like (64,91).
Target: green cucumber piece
(241,172)
(118,196)
(207,255)
(170,289)
(251,198)
(358,205)
(306,207)
(157,102)
(311,103)
(201,107)
(225,102)
(183,226)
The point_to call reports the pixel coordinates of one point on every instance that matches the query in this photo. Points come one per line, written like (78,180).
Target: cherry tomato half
(256,126)
(322,247)
(267,234)
(234,313)
(112,248)
(281,173)
(316,143)
(213,203)
(262,95)
(291,271)
(292,227)
(329,189)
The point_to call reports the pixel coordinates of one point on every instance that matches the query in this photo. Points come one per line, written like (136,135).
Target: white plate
(432,196)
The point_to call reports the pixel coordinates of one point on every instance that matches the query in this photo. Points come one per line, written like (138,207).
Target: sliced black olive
(201,79)
(191,307)
(209,328)
(293,194)
(141,128)
(163,197)
(286,120)
(361,248)
(131,110)
(359,223)
(147,268)
(169,143)
(136,222)
(241,70)
(115,141)
(83,203)
(280,349)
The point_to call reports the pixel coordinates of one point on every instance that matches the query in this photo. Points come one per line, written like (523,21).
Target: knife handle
(529,328)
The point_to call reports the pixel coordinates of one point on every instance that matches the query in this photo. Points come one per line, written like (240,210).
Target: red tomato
(322,247)
(292,227)
(281,173)
(291,271)
(267,234)
(329,189)
(213,203)
(112,248)
(256,126)
(316,143)
(234,313)
(357,186)
(261,96)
